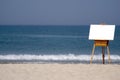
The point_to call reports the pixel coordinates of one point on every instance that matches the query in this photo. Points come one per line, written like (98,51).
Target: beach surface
(59,72)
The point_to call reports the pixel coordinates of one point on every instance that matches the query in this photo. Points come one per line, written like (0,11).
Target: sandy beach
(59,72)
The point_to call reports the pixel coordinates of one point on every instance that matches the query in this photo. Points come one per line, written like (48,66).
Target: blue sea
(52,44)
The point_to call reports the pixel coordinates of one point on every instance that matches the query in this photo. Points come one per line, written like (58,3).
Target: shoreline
(55,62)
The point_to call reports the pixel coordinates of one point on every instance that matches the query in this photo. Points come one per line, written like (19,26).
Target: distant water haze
(59,12)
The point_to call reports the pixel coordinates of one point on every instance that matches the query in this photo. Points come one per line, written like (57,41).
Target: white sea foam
(69,57)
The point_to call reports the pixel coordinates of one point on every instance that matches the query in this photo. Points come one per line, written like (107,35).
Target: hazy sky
(59,12)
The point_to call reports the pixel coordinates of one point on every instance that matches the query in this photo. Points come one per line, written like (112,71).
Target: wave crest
(68,57)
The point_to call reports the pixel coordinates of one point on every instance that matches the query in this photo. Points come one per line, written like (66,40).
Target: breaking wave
(68,57)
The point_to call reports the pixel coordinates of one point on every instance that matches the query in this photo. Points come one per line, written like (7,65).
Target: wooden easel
(103,44)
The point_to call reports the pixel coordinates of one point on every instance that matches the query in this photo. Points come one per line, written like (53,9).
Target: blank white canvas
(101,32)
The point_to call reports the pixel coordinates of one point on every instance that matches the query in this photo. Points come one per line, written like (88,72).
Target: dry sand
(59,72)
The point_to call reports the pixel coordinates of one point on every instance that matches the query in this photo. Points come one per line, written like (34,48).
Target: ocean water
(64,44)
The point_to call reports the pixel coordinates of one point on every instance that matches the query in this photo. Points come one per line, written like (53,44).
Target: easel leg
(103,54)
(108,51)
(92,53)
